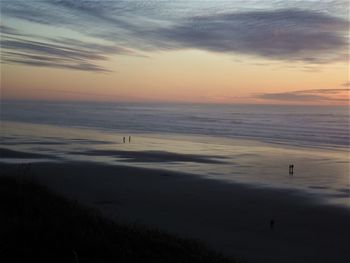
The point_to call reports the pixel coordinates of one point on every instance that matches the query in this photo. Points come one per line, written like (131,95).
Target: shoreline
(231,218)
(244,167)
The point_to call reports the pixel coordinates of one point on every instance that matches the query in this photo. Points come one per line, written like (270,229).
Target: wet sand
(232,218)
(7,153)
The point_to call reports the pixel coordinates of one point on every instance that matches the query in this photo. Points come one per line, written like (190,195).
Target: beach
(231,218)
(234,193)
(175,131)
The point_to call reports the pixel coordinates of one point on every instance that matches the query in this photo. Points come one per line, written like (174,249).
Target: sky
(260,52)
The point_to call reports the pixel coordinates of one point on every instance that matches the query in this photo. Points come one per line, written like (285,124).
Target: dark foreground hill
(37,225)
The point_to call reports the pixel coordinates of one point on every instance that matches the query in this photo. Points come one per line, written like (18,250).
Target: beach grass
(37,225)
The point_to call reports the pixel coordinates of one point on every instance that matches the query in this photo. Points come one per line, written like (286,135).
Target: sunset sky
(272,51)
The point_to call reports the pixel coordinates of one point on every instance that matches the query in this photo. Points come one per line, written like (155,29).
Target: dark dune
(37,225)
(152,156)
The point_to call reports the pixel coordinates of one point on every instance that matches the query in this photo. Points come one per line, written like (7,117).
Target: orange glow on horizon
(177,76)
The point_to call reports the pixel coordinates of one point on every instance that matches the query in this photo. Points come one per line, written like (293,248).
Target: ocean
(248,144)
(314,126)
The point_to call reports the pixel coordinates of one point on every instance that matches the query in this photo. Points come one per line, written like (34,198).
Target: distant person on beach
(291,169)
(272,224)
(123,139)
(129,138)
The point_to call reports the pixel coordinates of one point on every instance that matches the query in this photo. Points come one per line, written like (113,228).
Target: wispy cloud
(312,95)
(8,30)
(54,52)
(278,30)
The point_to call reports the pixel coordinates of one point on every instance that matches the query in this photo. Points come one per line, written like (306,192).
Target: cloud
(43,54)
(55,52)
(296,31)
(46,62)
(288,34)
(49,49)
(90,16)
(346,84)
(8,30)
(314,95)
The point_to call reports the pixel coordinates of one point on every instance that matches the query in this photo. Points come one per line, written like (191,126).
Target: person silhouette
(272,224)
(129,138)
(123,139)
(291,169)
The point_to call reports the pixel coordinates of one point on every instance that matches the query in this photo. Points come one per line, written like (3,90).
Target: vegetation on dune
(37,225)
